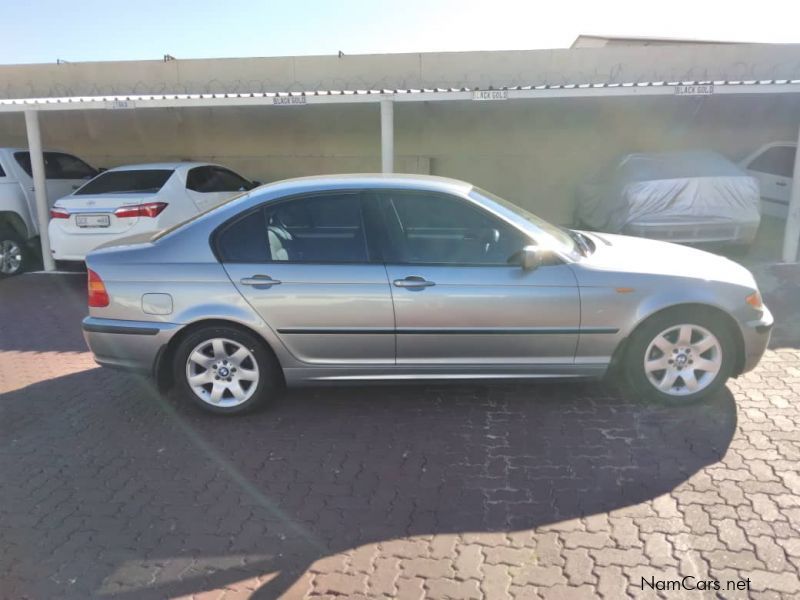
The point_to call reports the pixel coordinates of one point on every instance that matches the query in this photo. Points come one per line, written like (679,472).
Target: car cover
(688,186)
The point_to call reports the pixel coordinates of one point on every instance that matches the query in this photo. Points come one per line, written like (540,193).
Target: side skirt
(409,373)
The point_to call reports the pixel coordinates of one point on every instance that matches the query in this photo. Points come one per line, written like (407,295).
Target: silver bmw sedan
(386,278)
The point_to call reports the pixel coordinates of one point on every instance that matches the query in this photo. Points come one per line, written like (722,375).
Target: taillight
(98,296)
(149,209)
(59,213)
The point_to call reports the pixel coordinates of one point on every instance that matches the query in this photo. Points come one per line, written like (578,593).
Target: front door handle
(259,280)
(780,183)
(413,281)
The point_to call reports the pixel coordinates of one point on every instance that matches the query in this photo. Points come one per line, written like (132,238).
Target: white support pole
(39,185)
(387,135)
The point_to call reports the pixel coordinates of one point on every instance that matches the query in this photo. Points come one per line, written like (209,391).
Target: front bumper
(133,345)
(755,335)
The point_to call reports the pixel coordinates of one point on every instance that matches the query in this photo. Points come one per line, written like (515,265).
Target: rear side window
(245,240)
(327,228)
(2,172)
(141,181)
(215,179)
(57,165)
(778,160)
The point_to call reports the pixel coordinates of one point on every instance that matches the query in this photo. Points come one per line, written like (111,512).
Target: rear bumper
(70,246)
(756,336)
(132,345)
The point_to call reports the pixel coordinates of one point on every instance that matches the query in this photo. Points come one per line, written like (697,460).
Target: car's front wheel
(680,357)
(225,370)
(14,254)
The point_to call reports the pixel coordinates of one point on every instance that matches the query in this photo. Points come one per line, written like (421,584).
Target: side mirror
(531,258)
(255,183)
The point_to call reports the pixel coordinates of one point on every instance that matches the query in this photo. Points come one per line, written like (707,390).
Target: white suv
(773,166)
(19,226)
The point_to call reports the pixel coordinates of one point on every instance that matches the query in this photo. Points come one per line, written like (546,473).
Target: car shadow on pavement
(111,490)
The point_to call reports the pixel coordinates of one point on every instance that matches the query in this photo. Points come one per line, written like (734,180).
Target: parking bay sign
(694,90)
(483,95)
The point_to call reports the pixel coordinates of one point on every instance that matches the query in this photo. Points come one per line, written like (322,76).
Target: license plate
(92,220)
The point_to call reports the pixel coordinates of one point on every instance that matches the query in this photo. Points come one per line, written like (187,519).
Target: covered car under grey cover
(683,196)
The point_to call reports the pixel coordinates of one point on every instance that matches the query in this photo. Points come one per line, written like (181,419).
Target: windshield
(562,238)
(138,181)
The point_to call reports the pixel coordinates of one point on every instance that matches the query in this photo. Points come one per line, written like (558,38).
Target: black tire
(269,380)
(22,260)
(635,375)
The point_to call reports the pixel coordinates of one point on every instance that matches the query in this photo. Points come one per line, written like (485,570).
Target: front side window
(135,181)
(57,165)
(432,228)
(328,228)
(778,160)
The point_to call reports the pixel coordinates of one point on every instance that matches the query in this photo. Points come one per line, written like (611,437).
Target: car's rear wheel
(680,358)
(225,370)
(14,254)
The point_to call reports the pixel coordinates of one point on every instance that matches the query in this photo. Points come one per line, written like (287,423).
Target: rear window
(140,181)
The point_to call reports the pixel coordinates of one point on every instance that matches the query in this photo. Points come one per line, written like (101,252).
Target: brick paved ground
(551,491)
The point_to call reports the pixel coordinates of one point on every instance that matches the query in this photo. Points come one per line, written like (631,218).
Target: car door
(210,185)
(774,170)
(307,266)
(459,295)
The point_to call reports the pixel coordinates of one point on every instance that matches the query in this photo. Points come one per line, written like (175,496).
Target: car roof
(367,180)
(173,166)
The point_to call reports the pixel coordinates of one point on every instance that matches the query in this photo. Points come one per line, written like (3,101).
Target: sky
(42,31)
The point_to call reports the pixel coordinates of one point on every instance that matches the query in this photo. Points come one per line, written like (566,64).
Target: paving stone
(468,561)
(455,590)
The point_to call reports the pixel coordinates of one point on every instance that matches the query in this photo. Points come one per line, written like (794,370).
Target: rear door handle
(259,280)
(780,183)
(413,281)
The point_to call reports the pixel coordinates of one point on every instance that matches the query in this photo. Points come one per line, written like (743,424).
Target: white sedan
(137,199)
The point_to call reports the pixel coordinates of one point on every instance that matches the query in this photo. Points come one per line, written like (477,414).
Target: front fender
(623,309)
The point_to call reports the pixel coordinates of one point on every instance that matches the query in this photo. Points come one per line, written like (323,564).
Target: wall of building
(536,153)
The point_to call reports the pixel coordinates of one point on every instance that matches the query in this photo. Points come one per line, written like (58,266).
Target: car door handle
(259,280)
(413,281)
(780,183)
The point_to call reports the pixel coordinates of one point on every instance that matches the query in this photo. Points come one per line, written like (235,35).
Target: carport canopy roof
(575,90)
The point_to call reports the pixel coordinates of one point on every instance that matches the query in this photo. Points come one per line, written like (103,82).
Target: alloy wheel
(222,372)
(10,257)
(683,359)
